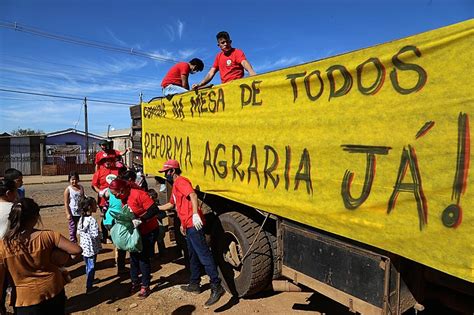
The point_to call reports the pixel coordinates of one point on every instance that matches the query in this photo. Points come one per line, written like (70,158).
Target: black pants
(52,306)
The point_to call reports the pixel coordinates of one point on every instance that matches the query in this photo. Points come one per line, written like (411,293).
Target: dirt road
(168,273)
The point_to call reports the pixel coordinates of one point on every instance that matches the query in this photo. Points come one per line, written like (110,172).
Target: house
(65,151)
(72,136)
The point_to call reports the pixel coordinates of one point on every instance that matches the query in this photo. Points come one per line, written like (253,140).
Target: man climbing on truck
(176,80)
(231,62)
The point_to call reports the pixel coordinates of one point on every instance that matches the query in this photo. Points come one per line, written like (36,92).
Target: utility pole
(86,126)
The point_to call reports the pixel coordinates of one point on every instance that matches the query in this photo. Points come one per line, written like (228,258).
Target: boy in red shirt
(231,62)
(176,80)
(185,200)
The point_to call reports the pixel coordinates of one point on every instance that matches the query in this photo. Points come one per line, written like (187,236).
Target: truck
(348,175)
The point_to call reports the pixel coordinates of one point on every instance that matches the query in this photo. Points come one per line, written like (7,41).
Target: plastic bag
(123,234)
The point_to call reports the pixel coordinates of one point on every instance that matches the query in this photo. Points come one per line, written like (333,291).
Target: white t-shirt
(74,197)
(89,238)
(5,208)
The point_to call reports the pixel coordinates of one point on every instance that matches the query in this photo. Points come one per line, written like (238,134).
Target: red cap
(169,165)
(118,184)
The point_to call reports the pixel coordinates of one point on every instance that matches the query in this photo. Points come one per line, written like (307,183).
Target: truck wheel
(272,239)
(242,276)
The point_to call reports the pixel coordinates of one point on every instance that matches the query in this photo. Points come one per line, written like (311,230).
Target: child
(8,194)
(160,235)
(72,194)
(16,176)
(89,239)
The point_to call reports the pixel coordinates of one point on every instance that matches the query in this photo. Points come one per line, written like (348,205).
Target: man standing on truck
(231,62)
(176,80)
(185,200)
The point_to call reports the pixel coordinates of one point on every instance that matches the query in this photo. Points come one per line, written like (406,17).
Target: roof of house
(118,133)
(72,130)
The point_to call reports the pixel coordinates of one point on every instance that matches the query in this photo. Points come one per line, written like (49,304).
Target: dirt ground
(168,273)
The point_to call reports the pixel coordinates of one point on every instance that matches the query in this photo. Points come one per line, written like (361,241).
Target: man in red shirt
(108,152)
(176,80)
(231,62)
(185,200)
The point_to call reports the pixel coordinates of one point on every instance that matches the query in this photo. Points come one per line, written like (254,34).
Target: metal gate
(22,153)
(63,159)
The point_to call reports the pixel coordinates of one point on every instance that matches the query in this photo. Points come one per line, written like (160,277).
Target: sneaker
(144,292)
(135,288)
(193,288)
(216,294)
(92,290)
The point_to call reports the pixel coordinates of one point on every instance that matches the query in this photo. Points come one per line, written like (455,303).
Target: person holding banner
(176,80)
(231,62)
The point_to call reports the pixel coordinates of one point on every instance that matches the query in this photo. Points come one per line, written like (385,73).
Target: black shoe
(193,288)
(216,294)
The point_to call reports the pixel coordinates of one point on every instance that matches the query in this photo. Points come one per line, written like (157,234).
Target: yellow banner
(373,145)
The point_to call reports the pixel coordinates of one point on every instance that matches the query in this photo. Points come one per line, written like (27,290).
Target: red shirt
(182,188)
(174,74)
(99,180)
(114,154)
(230,66)
(139,202)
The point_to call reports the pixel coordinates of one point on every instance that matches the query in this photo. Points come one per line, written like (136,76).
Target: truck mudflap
(362,280)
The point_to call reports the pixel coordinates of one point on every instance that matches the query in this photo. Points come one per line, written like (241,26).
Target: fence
(38,160)
(66,159)
(21,157)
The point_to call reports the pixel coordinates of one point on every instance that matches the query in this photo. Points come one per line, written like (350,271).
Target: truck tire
(231,241)
(272,239)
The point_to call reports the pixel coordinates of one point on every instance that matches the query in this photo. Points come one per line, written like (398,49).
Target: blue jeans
(173,89)
(200,254)
(90,270)
(140,262)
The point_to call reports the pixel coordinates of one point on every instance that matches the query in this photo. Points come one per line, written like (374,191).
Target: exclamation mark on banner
(452,215)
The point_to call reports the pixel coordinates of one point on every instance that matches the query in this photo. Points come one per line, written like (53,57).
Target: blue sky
(273,34)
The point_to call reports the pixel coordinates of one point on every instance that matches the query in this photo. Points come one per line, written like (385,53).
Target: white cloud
(44,115)
(180,28)
(186,53)
(174,30)
(115,38)
(120,41)
(110,79)
(278,64)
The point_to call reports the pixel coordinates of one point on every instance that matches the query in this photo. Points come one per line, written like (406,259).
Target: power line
(73,66)
(78,118)
(66,97)
(79,41)
(27,99)
(29,73)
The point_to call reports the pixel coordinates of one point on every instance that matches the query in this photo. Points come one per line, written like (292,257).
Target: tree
(27,132)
